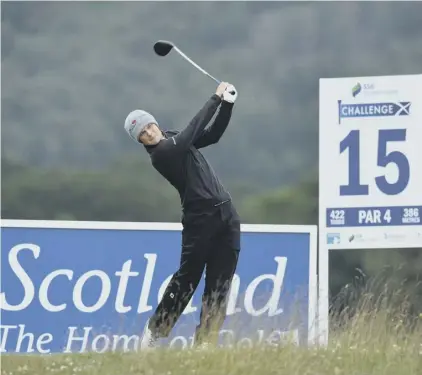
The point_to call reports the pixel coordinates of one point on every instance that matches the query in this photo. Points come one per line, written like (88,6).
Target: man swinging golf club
(211,225)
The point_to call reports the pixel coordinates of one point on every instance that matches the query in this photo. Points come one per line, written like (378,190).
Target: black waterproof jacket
(178,159)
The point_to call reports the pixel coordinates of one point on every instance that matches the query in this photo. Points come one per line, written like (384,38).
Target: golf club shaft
(195,65)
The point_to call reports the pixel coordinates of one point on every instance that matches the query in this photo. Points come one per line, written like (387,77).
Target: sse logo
(367,88)
(356,89)
(372,110)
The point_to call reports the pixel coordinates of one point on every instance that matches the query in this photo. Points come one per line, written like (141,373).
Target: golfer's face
(150,134)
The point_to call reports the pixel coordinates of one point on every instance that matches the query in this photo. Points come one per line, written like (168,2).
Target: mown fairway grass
(374,341)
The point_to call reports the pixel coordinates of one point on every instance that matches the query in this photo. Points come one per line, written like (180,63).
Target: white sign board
(370,165)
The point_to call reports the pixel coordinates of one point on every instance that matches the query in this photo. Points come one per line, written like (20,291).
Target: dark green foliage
(72,71)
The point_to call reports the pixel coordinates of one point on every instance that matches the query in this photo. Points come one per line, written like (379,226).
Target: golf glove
(230,94)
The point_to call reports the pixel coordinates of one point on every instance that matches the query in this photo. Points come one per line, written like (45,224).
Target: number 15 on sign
(386,137)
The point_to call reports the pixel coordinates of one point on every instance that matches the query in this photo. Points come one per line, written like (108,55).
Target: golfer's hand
(230,94)
(221,88)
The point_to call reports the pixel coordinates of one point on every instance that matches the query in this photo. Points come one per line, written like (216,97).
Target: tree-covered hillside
(72,71)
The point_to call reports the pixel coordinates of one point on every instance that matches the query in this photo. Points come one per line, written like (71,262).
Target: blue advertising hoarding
(91,286)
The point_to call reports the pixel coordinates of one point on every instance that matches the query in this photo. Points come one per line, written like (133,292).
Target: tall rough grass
(377,334)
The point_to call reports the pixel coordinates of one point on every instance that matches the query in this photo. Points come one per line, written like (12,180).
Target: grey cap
(136,121)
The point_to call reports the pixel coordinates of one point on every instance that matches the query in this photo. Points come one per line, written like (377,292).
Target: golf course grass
(373,339)
(367,346)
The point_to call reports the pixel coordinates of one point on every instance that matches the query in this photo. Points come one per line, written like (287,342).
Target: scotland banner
(75,287)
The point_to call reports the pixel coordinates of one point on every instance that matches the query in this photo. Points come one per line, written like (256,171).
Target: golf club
(163,48)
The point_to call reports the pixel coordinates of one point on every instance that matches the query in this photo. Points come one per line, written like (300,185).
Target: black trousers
(210,241)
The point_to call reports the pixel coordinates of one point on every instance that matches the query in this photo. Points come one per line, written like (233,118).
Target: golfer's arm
(215,131)
(188,136)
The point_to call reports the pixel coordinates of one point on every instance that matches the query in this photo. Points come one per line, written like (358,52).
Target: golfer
(211,225)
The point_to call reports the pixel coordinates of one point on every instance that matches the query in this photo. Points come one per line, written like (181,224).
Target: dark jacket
(178,159)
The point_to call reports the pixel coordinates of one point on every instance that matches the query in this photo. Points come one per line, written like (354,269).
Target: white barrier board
(370,167)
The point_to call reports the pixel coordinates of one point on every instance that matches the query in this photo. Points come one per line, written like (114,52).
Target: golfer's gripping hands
(227,92)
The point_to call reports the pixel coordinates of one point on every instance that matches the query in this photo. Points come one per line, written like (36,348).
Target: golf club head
(163,47)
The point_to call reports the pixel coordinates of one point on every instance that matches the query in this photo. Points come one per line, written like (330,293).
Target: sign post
(370,169)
